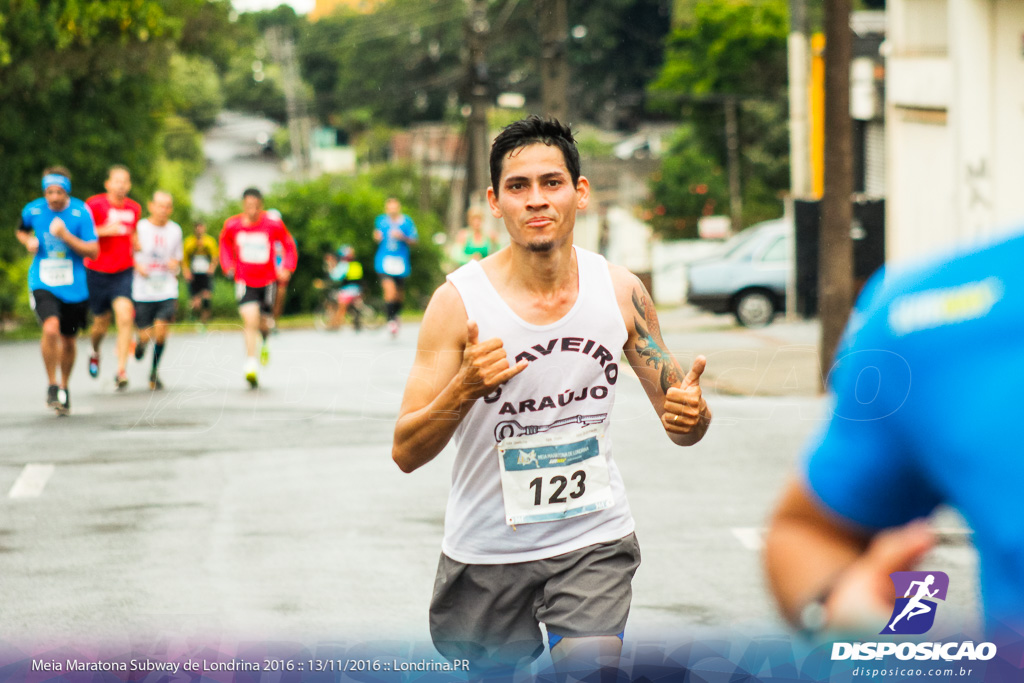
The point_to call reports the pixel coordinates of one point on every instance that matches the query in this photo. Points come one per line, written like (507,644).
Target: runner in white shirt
(155,288)
(517,360)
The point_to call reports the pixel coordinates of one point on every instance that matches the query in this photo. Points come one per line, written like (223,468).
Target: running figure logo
(914,613)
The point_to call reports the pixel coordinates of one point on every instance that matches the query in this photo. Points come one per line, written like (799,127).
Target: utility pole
(479,95)
(799,131)
(835,275)
(553,16)
(799,150)
(732,147)
(282,48)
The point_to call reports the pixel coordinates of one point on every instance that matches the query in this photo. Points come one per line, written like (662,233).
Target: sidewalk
(778,360)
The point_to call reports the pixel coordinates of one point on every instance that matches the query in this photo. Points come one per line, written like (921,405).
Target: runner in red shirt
(247,256)
(110,275)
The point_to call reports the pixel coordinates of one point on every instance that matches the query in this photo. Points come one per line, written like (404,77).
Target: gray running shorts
(490,614)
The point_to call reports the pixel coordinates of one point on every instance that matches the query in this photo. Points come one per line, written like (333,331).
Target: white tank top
(534,475)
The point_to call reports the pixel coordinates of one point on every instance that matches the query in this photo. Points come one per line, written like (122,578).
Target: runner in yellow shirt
(201,254)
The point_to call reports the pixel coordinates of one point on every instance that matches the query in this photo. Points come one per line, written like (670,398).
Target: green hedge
(330,211)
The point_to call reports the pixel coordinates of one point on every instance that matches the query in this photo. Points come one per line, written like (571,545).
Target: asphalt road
(211,511)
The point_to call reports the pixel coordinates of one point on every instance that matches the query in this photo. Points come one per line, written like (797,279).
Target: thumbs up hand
(685,408)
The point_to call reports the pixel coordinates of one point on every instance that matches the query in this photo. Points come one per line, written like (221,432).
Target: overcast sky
(301,6)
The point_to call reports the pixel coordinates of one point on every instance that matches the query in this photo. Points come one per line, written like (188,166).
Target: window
(777,250)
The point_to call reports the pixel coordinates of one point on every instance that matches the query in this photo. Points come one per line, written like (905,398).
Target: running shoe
(250,373)
(264,354)
(393,327)
(121,381)
(139,349)
(154,382)
(64,408)
(94,365)
(52,397)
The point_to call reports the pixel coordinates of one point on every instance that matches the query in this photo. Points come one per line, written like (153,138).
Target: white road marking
(31,482)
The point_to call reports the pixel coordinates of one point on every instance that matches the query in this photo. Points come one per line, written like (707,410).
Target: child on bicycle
(346,278)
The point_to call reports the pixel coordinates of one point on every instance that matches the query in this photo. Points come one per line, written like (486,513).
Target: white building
(955,119)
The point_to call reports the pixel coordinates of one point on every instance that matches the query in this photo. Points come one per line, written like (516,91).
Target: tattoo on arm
(648,343)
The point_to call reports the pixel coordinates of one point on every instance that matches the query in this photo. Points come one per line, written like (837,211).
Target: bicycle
(360,314)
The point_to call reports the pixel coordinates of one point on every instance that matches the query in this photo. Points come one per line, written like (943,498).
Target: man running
(58,230)
(518,359)
(200,263)
(155,288)
(395,233)
(247,257)
(110,274)
(891,452)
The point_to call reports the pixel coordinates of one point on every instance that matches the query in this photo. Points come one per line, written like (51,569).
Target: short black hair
(531,130)
(252,192)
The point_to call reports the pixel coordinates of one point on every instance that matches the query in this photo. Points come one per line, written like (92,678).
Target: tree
(736,48)
(689,185)
(84,83)
(195,89)
(615,47)
(78,87)
(402,62)
(405,61)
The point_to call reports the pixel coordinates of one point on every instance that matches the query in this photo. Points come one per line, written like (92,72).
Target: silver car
(748,279)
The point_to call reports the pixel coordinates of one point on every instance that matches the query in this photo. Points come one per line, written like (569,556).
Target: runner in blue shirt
(59,231)
(910,430)
(394,232)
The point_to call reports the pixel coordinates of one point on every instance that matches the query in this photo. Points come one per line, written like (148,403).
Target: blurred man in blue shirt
(58,230)
(395,233)
(924,414)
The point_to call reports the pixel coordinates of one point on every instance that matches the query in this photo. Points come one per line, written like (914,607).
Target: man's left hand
(684,404)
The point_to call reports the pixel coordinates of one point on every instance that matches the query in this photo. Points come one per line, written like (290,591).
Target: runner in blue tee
(59,231)
(394,232)
(910,430)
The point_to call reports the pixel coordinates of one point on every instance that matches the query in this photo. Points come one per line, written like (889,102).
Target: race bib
(158,276)
(253,247)
(56,272)
(393,265)
(200,265)
(550,477)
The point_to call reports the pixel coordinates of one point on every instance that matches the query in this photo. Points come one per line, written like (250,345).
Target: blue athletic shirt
(926,410)
(51,264)
(393,255)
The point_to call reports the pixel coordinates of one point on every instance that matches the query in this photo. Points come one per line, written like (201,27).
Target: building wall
(955,117)
(1008,117)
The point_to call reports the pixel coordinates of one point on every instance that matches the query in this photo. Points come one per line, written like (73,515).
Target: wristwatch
(813,616)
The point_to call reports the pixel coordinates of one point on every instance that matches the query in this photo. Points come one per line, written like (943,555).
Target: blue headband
(57,179)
